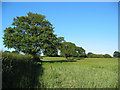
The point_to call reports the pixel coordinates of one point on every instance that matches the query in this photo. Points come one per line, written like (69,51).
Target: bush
(19,71)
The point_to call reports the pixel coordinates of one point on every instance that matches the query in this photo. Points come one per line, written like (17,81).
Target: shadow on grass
(21,73)
(59,61)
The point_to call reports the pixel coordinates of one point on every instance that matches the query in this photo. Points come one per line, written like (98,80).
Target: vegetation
(86,73)
(16,52)
(69,49)
(33,34)
(18,71)
(91,55)
(116,54)
(30,34)
(57,72)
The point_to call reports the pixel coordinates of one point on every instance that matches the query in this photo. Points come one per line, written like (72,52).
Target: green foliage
(107,56)
(7,51)
(51,51)
(80,52)
(91,55)
(116,54)
(15,52)
(18,71)
(68,49)
(30,34)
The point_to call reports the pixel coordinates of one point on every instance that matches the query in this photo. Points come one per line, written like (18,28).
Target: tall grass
(20,72)
(87,73)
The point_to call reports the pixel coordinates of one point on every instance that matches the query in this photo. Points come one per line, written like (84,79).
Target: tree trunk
(66,56)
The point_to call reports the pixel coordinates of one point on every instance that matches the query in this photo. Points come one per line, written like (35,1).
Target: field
(85,73)
(56,72)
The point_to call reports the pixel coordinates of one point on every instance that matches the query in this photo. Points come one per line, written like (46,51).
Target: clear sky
(91,25)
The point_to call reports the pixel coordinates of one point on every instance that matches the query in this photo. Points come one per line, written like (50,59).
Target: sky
(91,25)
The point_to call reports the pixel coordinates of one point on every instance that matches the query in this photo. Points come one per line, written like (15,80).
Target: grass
(56,72)
(86,73)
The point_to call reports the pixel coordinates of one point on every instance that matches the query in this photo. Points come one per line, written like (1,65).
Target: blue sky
(91,25)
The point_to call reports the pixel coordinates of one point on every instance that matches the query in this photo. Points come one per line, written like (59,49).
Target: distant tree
(107,56)
(7,51)
(68,49)
(90,54)
(15,52)
(30,34)
(80,52)
(116,54)
(52,51)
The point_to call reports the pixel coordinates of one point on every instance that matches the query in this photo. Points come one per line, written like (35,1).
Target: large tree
(30,34)
(51,51)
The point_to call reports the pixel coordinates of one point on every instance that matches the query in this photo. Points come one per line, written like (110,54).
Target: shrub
(18,71)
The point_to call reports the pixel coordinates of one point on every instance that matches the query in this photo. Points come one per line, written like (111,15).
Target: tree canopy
(116,54)
(33,34)
(69,49)
(53,50)
(91,55)
(30,34)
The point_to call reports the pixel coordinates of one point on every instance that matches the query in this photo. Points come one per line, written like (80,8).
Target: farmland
(85,73)
(57,72)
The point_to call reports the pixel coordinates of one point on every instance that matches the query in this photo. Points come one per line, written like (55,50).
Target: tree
(53,50)
(16,52)
(30,34)
(7,51)
(89,55)
(68,49)
(107,56)
(116,54)
(80,52)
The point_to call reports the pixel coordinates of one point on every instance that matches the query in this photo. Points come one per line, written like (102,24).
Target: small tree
(90,54)
(30,34)
(116,54)
(80,52)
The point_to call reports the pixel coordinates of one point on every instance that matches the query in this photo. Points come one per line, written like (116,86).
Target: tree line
(33,34)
